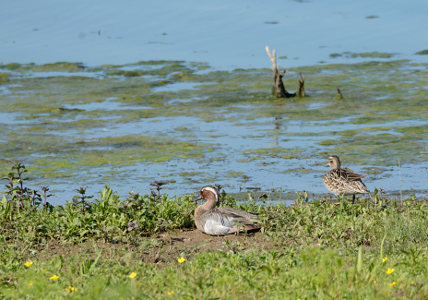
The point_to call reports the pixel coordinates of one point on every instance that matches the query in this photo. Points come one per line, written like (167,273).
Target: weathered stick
(301,91)
(339,95)
(280,91)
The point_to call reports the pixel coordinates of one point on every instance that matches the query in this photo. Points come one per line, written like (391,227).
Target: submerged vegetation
(111,248)
(374,54)
(422,52)
(73,123)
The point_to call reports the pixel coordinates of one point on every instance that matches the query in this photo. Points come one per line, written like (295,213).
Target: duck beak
(197,198)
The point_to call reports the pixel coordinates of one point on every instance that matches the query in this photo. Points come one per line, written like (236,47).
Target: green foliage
(108,217)
(374,249)
(348,226)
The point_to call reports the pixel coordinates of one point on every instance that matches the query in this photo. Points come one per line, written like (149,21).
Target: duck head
(334,162)
(208,193)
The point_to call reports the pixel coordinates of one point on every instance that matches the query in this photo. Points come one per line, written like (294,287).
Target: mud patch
(160,249)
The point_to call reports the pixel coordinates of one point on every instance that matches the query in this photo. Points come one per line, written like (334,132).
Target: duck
(343,181)
(223,220)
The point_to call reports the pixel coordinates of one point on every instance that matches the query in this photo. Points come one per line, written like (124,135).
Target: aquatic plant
(75,126)
(422,52)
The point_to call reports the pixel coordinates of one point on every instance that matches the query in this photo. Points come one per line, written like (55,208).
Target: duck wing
(214,222)
(241,220)
(226,220)
(237,213)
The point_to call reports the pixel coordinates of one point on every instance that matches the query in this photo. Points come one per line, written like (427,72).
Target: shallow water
(194,128)
(225,34)
(124,120)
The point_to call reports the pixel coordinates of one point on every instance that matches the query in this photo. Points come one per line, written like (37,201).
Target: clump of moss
(11,66)
(422,52)
(59,67)
(125,73)
(373,54)
(4,77)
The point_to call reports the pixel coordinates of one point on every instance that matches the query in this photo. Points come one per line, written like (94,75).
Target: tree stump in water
(339,95)
(280,91)
(301,91)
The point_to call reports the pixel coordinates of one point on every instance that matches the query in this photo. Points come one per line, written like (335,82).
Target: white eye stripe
(211,189)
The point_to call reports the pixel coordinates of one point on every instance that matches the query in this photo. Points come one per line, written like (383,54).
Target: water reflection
(278,124)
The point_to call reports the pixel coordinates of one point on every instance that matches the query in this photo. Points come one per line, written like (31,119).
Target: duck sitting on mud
(343,181)
(221,220)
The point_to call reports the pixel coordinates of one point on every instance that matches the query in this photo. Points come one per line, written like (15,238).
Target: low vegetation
(146,246)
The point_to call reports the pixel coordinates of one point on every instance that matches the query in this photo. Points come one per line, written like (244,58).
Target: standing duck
(221,220)
(343,181)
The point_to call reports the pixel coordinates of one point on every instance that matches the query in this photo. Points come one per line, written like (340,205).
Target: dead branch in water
(280,91)
(339,95)
(301,91)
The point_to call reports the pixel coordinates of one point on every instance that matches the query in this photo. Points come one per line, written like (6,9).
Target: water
(226,35)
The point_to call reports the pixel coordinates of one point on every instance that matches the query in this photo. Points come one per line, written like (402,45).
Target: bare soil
(159,249)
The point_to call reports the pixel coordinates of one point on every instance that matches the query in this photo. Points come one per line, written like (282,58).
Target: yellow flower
(392,283)
(389,271)
(181,260)
(132,275)
(71,289)
(53,277)
(413,283)
(28,264)
(170,293)
(385,259)
(30,283)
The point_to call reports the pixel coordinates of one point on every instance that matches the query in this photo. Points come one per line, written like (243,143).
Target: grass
(147,247)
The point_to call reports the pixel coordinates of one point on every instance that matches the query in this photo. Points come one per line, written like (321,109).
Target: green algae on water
(107,117)
(422,52)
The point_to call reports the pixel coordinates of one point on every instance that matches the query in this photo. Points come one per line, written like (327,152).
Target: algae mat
(128,125)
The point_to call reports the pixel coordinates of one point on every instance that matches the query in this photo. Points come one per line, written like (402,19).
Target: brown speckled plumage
(343,181)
